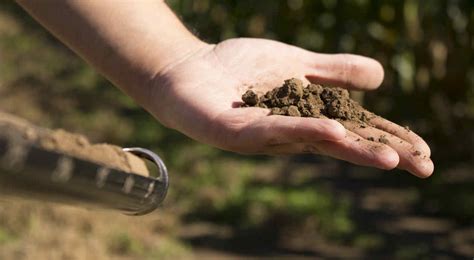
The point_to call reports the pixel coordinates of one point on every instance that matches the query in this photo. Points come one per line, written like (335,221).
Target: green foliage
(5,236)
(258,205)
(225,192)
(168,249)
(124,244)
(416,251)
(368,241)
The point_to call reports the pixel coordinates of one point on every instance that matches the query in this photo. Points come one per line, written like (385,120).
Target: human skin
(195,87)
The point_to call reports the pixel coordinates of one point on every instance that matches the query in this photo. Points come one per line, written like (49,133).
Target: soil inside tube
(72,144)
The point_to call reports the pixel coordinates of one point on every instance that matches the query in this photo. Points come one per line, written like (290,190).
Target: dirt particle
(383,139)
(407,128)
(250,98)
(370,138)
(416,153)
(295,87)
(293,111)
(277,111)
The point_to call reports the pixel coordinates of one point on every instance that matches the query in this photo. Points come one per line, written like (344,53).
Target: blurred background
(226,205)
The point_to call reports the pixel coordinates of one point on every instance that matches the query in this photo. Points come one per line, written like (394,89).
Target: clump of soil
(71,144)
(293,99)
(383,139)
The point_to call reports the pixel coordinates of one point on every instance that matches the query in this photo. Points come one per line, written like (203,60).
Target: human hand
(200,96)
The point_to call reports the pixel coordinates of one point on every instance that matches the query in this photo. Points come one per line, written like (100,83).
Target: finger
(411,159)
(288,149)
(359,151)
(275,130)
(346,70)
(293,148)
(353,148)
(402,133)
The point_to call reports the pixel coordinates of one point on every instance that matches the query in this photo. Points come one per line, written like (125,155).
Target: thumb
(345,70)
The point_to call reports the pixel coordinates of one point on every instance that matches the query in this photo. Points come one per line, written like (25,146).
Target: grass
(5,236)
(123,244)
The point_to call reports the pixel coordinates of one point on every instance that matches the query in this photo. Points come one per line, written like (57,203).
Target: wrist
(179,49)
(162,88)
(152,45)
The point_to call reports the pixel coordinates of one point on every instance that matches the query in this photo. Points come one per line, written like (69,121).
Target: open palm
(200,95)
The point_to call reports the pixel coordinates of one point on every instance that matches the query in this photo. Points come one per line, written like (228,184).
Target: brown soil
(72,144)
(293,99)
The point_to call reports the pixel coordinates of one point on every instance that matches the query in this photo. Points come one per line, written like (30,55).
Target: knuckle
(349,69)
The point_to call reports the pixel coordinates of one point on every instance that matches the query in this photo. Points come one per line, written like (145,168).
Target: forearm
(127,41)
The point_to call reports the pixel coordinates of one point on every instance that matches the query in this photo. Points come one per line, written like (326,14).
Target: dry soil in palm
(294,99)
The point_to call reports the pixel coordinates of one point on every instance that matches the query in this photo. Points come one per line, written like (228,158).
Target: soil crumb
(71,144)
(293,99)
(383,139)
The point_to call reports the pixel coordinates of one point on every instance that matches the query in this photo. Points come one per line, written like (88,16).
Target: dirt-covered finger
(356,149)
(411,159)
(401,132)
(289,149)
(353,148)
(275,130)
